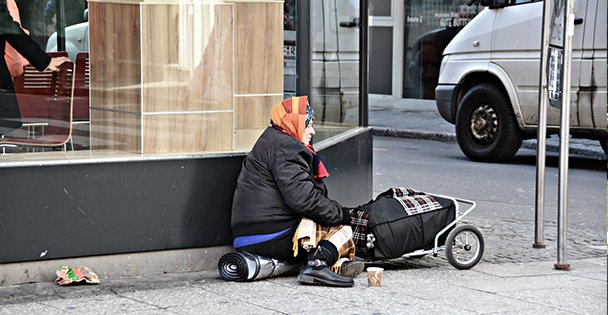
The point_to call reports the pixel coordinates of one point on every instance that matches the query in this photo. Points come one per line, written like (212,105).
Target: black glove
(346,217)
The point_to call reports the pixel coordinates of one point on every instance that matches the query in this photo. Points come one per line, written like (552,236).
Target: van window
(515,2)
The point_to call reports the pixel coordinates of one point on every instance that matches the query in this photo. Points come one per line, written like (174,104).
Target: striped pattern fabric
(359,221)
(290,115)
(415,202)
(310,233)
(318,168)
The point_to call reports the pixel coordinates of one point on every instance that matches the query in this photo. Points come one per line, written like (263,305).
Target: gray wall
(380,60)
(62,211)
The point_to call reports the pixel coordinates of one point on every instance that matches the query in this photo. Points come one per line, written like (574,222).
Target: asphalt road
(505,195)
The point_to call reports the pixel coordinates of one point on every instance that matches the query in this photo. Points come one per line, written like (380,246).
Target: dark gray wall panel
(349,164)
(380,60)
(81,210)
(61,211)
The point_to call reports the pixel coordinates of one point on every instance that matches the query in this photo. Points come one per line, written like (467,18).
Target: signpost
(539,227)
(559,54)
(557,49)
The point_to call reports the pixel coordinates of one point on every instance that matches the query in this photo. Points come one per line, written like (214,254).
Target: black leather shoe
(317,272)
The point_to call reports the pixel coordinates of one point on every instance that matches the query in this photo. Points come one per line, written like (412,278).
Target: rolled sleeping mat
(244,266)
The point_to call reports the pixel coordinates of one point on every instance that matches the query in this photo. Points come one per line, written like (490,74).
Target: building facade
(406,40)
(174,95)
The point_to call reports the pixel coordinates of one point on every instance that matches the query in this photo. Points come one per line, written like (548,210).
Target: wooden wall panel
(115,65)
(115,76)
(252,116)
(192,71)
(188,133)
(254,111)
(259,48)
(182,77)
(162,79)
(244,139)
(119,131)
(211,85)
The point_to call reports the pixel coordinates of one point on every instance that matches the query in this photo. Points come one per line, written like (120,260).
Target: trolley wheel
(464,247)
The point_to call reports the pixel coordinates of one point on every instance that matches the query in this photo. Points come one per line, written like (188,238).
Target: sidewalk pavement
(523,288)
(410,286)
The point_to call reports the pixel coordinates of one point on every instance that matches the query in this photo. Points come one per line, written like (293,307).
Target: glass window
(335,66)
(523,1)
(429,26)
(171,78)
(289,48)
(380,8)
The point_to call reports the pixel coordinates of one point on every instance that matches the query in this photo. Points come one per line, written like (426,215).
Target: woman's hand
(56,62)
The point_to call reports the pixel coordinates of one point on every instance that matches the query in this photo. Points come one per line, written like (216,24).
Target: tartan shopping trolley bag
(403,222)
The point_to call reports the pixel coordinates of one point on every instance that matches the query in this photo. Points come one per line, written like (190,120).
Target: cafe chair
(81,88)
(55,104)
(81,122)
(33,91)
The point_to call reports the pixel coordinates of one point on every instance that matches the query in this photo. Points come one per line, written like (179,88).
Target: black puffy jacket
(276,189)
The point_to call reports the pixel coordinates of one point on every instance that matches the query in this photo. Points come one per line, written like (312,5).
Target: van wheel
(486,129)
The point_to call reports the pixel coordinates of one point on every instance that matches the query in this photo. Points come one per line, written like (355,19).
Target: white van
(334,28)
(335,61)
(489,78)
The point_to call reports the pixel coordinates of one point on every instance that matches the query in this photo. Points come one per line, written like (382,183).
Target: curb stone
(449,137)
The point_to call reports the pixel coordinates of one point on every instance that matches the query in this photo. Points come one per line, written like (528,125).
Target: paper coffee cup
(374,276)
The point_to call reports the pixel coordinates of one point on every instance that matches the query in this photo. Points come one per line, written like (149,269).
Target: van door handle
(353,23)
(578,21)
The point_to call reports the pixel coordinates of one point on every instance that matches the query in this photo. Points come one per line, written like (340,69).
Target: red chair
(81,88)
(33,91)
(58,103)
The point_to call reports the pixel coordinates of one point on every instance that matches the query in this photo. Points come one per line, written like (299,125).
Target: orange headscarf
(290,115)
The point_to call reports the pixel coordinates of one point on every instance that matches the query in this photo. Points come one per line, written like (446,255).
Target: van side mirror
(86,15)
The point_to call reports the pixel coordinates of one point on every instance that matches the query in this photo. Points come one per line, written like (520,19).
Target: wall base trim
(118,265)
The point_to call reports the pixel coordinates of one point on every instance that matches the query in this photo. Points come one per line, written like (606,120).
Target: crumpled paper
(67,275)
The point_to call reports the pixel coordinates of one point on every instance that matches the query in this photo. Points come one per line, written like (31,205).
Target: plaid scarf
(318,168)
(413,201)
(359,221)
(309,233)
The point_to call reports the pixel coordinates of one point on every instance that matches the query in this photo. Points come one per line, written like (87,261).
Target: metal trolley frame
(464,244)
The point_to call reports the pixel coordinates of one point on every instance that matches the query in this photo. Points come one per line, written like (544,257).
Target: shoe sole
(316,281)
(352,269)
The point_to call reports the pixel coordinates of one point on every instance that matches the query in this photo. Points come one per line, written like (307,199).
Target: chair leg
(65,145)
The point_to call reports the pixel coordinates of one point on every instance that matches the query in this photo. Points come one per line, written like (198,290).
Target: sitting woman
(281,209)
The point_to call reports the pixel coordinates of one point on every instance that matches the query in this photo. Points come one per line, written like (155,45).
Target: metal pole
(363,63)
(303,49)
(564,134)
(60,24)
(539,226)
